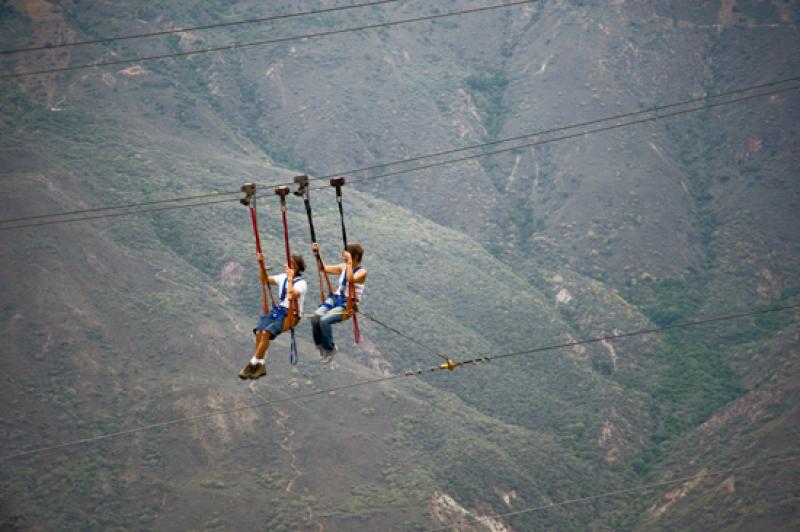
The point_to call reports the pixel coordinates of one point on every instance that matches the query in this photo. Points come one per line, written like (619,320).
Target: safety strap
(356,330)
(278,311)
(303,191)
(320,275)
(338,183)
(285,285)
(249,200)
(342,297)
(294,305)
(293,349)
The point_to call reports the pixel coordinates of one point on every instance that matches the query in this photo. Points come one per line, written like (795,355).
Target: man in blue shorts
(291,287)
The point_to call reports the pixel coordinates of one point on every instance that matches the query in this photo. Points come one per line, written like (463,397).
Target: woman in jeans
(334,309)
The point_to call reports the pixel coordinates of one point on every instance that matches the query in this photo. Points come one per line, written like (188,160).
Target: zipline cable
(570,136)
(281,40)
(259,20)
(562,128)
(487,357)
(117,214)
(421,157)
(700,475)
(411,339)
(386,379)
(441,163)
(119,207)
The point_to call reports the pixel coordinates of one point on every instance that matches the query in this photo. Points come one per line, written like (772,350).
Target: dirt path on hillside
(286,445)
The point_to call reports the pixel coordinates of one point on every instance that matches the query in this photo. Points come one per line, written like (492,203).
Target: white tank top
(343,289)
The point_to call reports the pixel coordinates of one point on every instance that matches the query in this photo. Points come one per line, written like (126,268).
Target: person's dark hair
(299,263)
(356,251)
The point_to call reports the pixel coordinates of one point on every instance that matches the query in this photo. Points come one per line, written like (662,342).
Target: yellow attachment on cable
(450,364)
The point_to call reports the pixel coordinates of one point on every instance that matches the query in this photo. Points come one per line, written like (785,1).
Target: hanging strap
(293,344)
(284,286)
(303,191)
(293,349)
(338,183)
(249,200)
(350,308)
(293,316)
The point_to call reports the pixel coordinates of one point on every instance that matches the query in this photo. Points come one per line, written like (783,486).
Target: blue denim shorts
(270,324)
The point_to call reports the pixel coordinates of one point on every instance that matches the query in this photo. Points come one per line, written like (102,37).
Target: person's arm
(266,279)
(348,263)
(291,291)
(333,268)
(296,293)
(263,271)
(360,277)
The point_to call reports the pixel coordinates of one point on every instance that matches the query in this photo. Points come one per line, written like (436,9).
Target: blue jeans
(322,325)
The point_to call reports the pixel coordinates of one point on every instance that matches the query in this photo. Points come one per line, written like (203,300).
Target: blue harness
(279,311)
(340,299)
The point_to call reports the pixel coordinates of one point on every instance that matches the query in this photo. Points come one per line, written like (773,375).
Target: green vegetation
(760,12)
(123,322)
(668,301)
(9,13)
(488,90)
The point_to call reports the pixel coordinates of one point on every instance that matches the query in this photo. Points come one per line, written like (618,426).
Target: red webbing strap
(294,305)
(286,234)
(320,268)
(261,265)
(356,332)
(338,183)
(321,286)
(322,273)
(351,307)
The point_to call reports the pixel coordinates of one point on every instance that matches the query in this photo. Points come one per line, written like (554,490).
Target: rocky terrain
(127,321)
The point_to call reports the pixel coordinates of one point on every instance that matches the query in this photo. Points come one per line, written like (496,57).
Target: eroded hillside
(123,322)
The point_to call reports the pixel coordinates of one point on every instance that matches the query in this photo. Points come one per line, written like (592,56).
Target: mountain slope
(121,322)
(147,320)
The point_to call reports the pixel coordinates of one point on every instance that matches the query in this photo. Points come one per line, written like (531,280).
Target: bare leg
(262,344)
